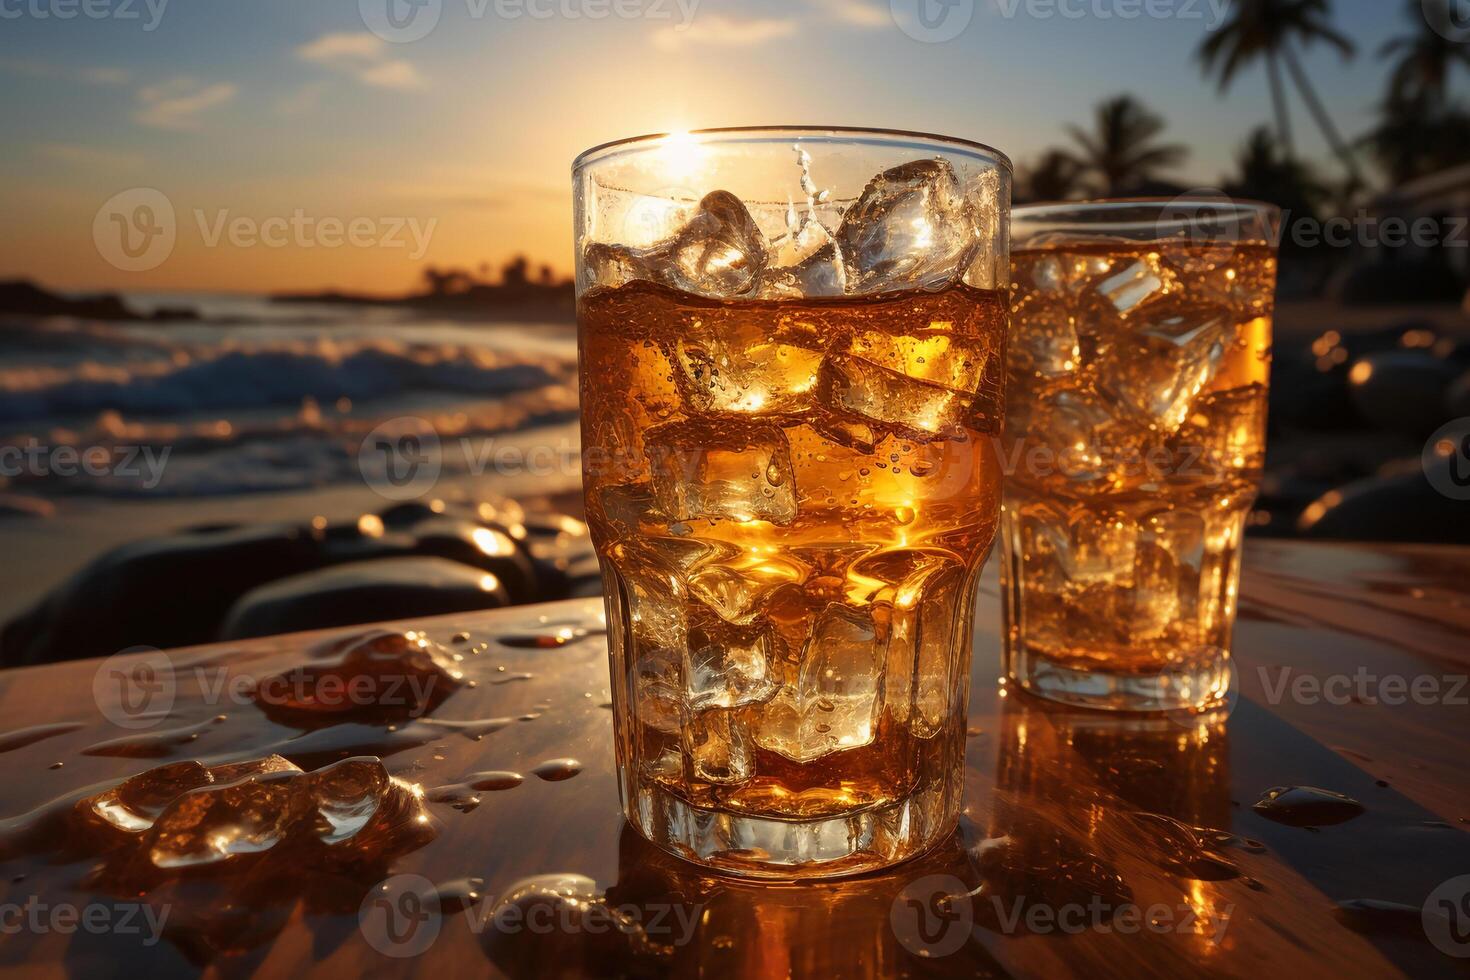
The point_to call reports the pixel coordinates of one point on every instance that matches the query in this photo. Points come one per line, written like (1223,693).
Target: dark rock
(24,298)
(1304,397)
(1393,282)
(363,592)
(178,589)
(1457,397)
(1401,390)
(161,592)
(1402,507)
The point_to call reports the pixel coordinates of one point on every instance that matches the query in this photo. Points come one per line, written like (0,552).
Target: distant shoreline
(518,302)
(522,302)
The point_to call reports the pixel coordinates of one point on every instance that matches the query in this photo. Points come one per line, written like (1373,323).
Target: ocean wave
(239,376)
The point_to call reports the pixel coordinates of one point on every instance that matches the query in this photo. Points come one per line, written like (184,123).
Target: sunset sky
(262,108)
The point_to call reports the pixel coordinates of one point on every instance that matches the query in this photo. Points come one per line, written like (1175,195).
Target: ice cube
(847,431)
(722,469)
(719,748)
(1081,438)
(1057,275)
(1130,287)
(1224,435)
(284,822)
(134,804)
(936,356)
(720,252)
(1044,339)
(347,795)
(1156,369)
(736,587)
(1166,574)
(725,666)
(605,265)
(805,263)
(728,362)
(910,229)
(215,823)
(857,386)
(835,701)
(1099,547)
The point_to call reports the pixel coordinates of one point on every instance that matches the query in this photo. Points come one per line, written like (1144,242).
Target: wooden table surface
(1075,856)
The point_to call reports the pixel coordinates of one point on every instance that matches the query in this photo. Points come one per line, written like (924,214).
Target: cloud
(176,104)
(90,157)
(715,29)
(857,13)
(68,73)
(363,56)
(303,100)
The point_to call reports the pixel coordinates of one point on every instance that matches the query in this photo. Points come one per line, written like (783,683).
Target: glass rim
(1121,215)
(897,137)
(1103,205)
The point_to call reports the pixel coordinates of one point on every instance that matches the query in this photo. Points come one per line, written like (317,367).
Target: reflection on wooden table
(490,835)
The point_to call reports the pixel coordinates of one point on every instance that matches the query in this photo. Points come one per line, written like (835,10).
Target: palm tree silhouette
(1423,58)
(1052,178)
(1122,152)
(1418,135)
(1268,30)
(1263,172)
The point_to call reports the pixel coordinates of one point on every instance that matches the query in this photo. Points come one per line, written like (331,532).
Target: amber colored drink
(804,493)
(1136,423)
(792,362)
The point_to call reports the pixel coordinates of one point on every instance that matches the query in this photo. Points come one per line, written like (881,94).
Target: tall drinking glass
(1135,432)
(791,367)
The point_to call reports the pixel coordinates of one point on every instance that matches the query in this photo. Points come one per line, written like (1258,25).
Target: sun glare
(682,155)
